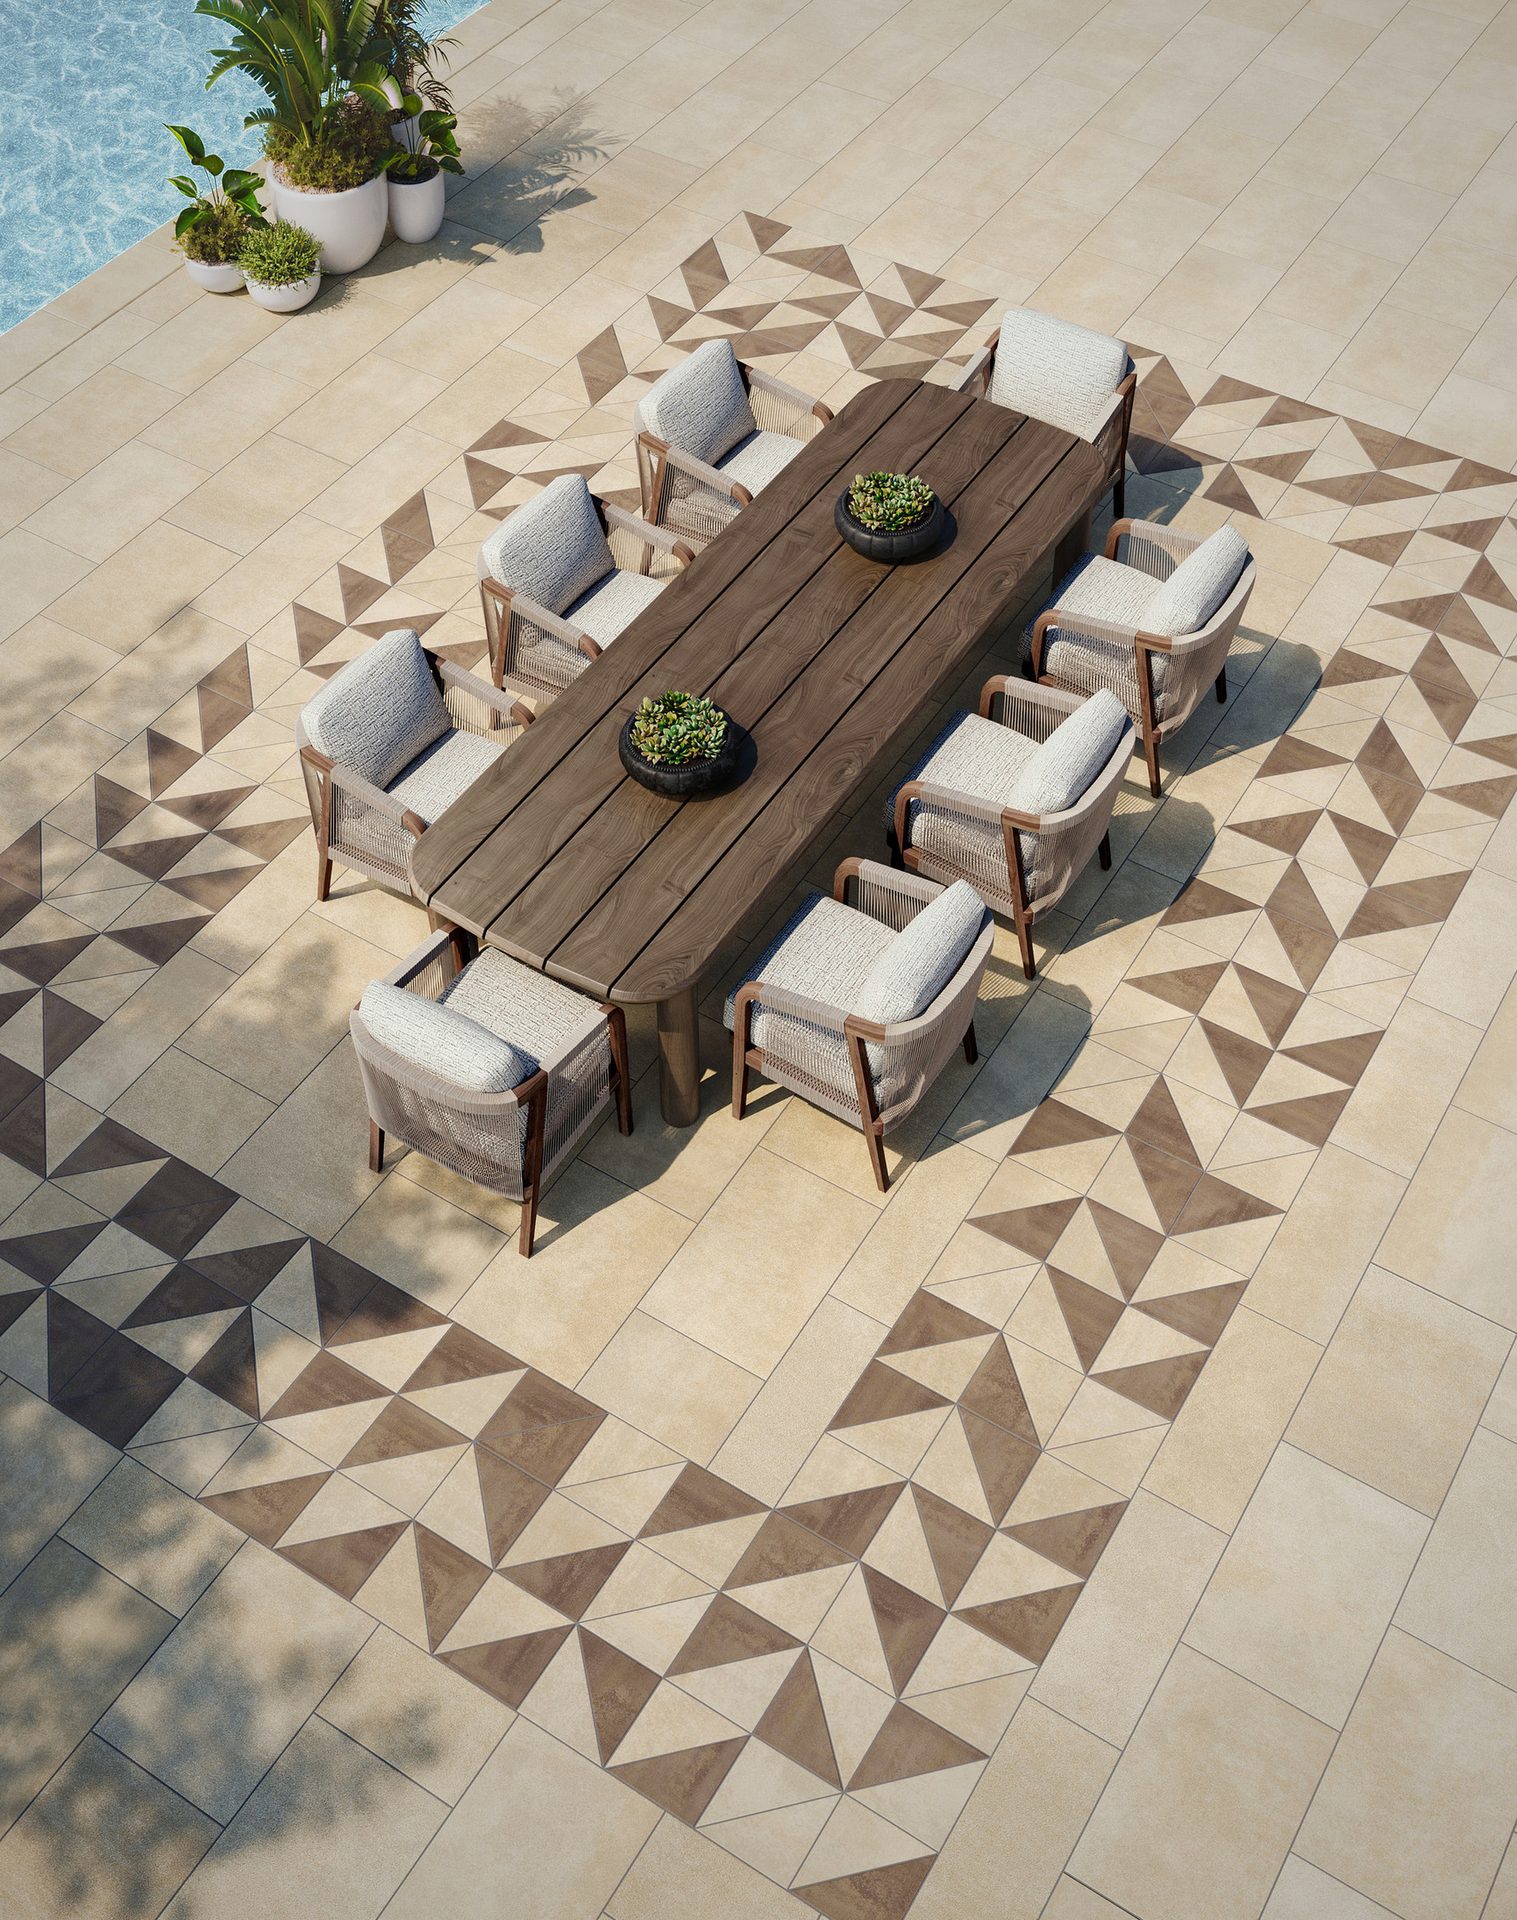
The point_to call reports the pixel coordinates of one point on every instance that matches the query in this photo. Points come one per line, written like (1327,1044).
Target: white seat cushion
(380,711)
(700,406)
(612,604)
(441,1039)
(538,1016)
(1063,769)
(553,549)
(754,462)
(1192,594)
(444,772)
(1103,590)
(971,756)
(923,957)
(1056,371)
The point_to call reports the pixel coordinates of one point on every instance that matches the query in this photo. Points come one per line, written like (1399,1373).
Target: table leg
(679,1059)
(1075,540)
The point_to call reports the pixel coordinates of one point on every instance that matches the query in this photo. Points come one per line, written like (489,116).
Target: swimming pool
(90,86)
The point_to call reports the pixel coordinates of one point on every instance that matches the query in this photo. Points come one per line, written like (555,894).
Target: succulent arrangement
(889,502)
(212,226)
(677,728)
(279,256)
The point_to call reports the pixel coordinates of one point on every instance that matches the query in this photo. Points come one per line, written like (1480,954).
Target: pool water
(90,84)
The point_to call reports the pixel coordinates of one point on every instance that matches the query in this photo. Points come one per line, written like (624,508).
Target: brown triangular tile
(619,1688)
(1074,1541)
(1159,1385)
(1200,1314)
(1028,1624)
(726,1632)
(795,1724)
(906,1622)
(569,1581)
(880,1893)
(345,1560)
(955,1539)
(450,1578)
(696,1499)
(683,1784)
(508,1670)
(266,1512)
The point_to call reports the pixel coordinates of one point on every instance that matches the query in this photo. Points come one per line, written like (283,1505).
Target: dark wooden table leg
(679,1059)
(1075,540)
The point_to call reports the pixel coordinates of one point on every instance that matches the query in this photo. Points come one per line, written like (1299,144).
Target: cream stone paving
(355,1566)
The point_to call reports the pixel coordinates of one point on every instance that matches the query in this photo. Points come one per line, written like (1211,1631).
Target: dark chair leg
(1119,496)
(1151,760)
(616,1021)
(376,1148)
(971,1044)
(1103,852)
(874,1139)
(1024,944)
(1221,686)
(528,1223)
(323,875)
(894,846)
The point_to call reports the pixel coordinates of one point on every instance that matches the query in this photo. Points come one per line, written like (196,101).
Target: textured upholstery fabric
(445,771)
(553,548)
(612,605)
(441,1039)
(1103,590)
(972,756)
(825,952)
(539,1016)
(1107,590)
(700,406)
(754,462)
(1191,595)
(380,712)
(1056,371)
(1063,768)
(923,957)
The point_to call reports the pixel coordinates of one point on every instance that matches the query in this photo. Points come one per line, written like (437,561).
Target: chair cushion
(613,604)
(1056,371)
(441,1039)
(380,712)
(923,957)
(1103,590)
(1106,590)
(754,462)
(1190,597)
(700,406)
(444,772)
(1062,769)
(825,951)
(553,548)
(538,1016)
(971,756)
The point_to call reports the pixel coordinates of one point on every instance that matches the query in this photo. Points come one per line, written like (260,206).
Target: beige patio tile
(102,413)
(256,492)
(1427,1735)
(1451,1231)
(33,573)
(122,1050)
(49,1466)
(151,1535)
(235,1679)
(1399,1390)
(308,1162)
(1400,356)
(44,666)
(1457,1597)
(103,1840)
(1306,1588)
(141,586)
(644,1360)
(191,1109)
(1305,1892)
(1205,1800)
(1471,413)
(1209,292)
(374,1823)
(573,1833)
(1489,1088)
(420,1241)
(1325,1242)
(1403,1093)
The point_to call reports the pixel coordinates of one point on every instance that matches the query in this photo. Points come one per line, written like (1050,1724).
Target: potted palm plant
(399,39)
(417,194)
(210,230)
(326,126)
(279,265)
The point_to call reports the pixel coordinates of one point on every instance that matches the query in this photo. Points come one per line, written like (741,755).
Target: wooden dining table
(823,658)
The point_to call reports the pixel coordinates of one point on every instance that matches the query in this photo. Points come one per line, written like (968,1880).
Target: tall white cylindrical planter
(416,207)
(349,225)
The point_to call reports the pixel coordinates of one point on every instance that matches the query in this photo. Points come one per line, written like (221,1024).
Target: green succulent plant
(279,256)
(889,502)
(677,728)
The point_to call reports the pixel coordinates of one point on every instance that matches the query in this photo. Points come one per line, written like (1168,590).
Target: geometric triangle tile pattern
(816,1684)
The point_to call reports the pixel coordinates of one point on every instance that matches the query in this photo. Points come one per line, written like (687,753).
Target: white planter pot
(416,207)
(286,299)
(215,277)
(349,225)
(404,132)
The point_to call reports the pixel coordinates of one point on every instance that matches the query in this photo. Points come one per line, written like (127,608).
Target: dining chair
(1015,798)
(388,744)
(711,433)
(564,575)
(860,1001)
(487,1067)
(1068,375)
(1154,627)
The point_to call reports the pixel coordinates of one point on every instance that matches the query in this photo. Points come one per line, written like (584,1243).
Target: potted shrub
(680,744)
(399,40)
(210,230)
(416,172)
(279,264)
(889,516)
(326,127)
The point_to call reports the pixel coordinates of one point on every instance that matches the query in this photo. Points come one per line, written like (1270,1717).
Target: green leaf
(191,141)
(186,220)
(186,187)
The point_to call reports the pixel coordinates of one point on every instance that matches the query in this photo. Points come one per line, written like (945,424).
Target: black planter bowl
(687,782)
(904,543)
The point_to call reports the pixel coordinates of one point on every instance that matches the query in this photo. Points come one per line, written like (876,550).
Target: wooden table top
(824,657)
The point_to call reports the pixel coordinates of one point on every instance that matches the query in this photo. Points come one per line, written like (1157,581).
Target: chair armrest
(1084,626)
(708,476)
(439,949)
(976,376)
(887,894)
(368,795)
(801,407)
(519,606)
(659,538)
(761,995)
(1152,548)
(459,686)
(1041,708)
